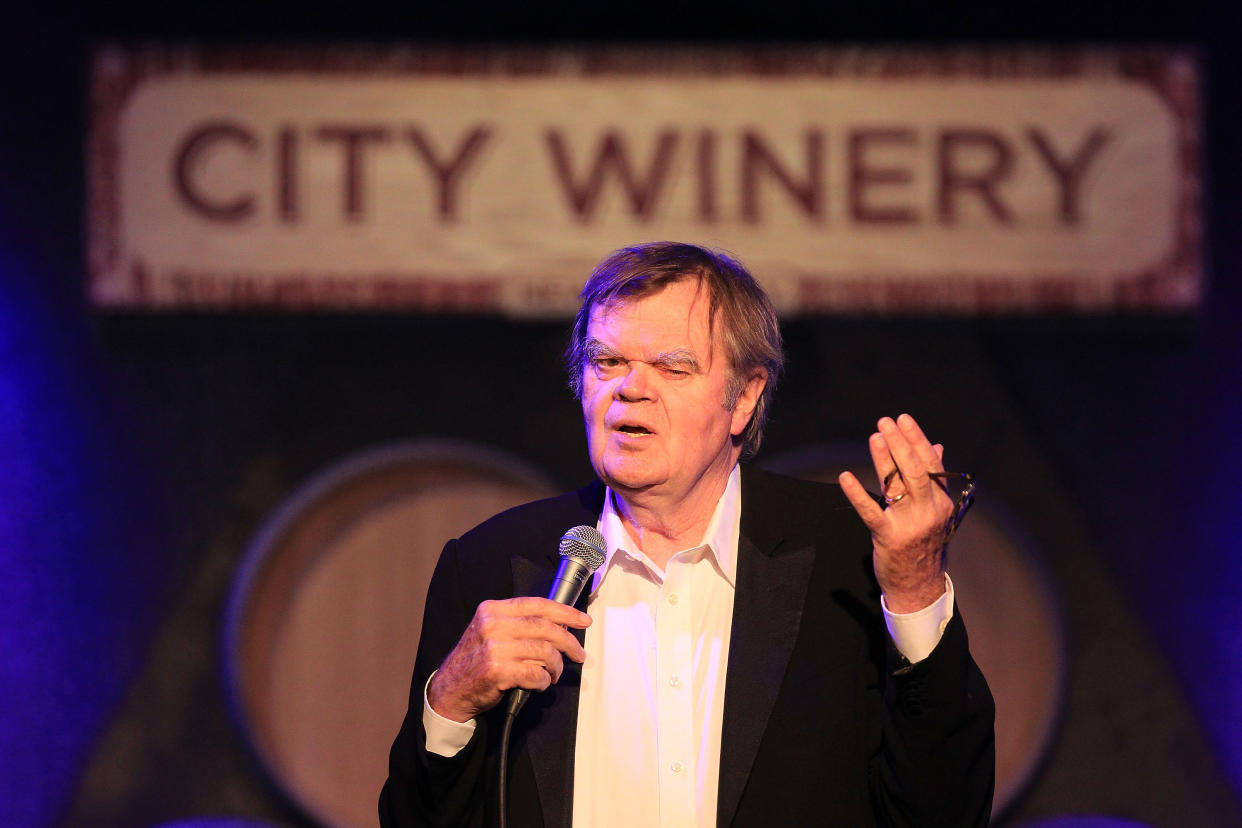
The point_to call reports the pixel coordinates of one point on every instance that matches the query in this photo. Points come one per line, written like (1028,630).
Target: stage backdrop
(962,181)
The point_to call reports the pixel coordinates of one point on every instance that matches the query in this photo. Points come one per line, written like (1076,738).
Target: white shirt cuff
(445,737)
(916,634)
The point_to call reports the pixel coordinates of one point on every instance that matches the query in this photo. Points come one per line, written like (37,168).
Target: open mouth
(632,429)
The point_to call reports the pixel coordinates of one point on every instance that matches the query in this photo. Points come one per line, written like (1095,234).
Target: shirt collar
(721,536)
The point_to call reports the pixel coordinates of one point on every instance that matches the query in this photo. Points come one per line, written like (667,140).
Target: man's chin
(627,477)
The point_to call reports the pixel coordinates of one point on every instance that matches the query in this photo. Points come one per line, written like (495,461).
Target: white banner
(465,181)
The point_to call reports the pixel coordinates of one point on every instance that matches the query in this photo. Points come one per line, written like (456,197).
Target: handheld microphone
(583,550)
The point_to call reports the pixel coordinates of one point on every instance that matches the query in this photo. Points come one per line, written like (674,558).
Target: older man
(754,650)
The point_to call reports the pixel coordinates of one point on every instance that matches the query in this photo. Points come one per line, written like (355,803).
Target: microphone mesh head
(586,545)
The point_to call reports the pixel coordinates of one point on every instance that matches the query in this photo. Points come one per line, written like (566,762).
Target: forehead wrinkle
(607,307)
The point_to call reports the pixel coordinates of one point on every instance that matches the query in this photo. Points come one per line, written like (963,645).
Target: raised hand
(908,533)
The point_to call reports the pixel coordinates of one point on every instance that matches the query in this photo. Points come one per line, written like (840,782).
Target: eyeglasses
(962,503)
(946,480)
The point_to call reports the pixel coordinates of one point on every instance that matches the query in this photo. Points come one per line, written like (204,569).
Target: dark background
(139,454)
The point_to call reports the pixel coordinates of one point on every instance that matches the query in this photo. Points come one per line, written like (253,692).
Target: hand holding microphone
(519,643)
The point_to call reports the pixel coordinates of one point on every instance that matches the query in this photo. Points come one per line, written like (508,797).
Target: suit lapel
(772,579)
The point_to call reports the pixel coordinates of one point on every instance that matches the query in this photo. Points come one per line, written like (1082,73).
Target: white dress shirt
(652,695)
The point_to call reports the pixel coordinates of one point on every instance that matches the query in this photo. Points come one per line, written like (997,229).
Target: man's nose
(636,383)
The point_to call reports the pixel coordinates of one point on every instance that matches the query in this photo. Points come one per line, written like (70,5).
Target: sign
(963,181)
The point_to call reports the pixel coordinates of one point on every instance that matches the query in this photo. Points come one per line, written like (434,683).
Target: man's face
(653,394)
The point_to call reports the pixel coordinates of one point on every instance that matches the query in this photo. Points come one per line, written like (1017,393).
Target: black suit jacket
(824,721)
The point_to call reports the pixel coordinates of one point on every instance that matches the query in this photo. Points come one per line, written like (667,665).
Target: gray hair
(750,333)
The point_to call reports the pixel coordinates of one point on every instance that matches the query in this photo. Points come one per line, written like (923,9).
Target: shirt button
(674,682)
(676,767)
(672,600)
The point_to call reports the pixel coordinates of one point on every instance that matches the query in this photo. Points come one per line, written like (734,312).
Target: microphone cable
(510,715)
(583,551)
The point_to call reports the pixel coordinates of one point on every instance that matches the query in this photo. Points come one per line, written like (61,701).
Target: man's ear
(746,402)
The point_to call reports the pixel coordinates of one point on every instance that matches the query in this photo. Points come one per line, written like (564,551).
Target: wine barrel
(325,612)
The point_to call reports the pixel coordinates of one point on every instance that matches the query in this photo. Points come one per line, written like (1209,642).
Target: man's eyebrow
(679,356)
(594,349)
(686,358)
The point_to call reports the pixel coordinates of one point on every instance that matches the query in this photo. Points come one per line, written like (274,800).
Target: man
(732,662)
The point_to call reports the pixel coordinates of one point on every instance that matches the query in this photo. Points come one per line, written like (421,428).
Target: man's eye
(607,362)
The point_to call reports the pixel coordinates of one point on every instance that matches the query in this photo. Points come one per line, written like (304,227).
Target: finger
(919,442)
(533,675)
(881,459)
(543,608)
(905,446)
(860,499)
(566,642)
(539,652)
(939,449)
(536,629)
(904,455)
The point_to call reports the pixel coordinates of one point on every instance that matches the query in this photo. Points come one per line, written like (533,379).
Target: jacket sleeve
(937,762)
(424,789)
